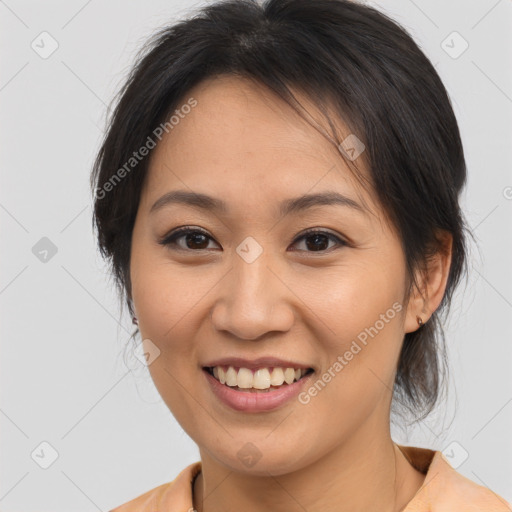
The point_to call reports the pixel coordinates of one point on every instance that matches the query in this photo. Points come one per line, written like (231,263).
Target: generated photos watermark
(355,347)
(144,150)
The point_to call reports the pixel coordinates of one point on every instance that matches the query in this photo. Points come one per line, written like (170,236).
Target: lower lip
(248,401)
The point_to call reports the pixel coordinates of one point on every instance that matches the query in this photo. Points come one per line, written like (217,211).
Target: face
(261,284)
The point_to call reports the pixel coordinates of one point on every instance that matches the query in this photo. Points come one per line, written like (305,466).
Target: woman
(277,194)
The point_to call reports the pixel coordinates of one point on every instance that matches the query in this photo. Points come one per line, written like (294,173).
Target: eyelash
(170,239)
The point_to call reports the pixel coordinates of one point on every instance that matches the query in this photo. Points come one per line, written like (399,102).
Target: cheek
(361,331)
(164,300)
(357,296)
(163,303)
(167,296)
(167,302)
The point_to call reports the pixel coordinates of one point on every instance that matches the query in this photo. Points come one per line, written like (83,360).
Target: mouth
(257,380)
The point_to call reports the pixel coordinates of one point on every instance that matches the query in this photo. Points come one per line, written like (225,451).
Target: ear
(432,284)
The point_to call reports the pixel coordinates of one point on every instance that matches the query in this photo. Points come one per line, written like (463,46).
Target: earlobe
(432,282)
(417,312)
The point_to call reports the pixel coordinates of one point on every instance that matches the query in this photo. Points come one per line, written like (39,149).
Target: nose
(252,300)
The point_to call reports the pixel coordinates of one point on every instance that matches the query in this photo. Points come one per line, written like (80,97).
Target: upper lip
(260,362)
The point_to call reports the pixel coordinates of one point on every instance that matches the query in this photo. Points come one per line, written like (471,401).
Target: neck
(349,478)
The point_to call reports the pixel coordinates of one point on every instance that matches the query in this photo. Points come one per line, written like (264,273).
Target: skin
(246,146)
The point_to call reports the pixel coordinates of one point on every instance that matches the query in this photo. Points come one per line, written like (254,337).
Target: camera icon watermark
(249,454)
(44,455)
(146,352)
(455,454)
(351,147)
(249,250)
(454,45)
(44,250)
(44,45)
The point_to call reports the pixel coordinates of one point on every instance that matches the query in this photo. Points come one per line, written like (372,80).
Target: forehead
(242,141)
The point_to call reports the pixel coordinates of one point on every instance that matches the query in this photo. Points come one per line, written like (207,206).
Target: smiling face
(248,288)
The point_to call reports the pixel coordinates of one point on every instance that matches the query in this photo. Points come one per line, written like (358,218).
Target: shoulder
(453,491)
(147,501)
(447,490)
(175,495)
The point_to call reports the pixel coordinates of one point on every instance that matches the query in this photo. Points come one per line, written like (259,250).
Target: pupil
(198,241)
(316,238)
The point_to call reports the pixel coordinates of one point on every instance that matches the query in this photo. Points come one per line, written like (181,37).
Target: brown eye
(318,241)
(194,239)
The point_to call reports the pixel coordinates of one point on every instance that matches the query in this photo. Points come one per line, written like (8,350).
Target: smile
(256,380)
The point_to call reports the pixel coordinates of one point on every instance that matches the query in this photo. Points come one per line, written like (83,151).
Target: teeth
(244,379)
(231,377)
(277,377)
(289,375)
(262,378)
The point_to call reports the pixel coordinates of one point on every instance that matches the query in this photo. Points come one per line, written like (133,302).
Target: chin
(259,457)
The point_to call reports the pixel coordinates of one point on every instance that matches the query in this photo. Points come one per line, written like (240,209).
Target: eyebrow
(287,207)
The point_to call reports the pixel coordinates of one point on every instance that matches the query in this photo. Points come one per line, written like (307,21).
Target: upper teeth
(262,378)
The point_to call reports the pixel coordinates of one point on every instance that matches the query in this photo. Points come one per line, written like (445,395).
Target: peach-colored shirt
(444,490)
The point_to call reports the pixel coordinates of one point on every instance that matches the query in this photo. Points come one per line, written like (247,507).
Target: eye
(193,238)
(196,239)
(318,240)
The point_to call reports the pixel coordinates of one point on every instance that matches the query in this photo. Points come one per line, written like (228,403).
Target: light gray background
(63,375)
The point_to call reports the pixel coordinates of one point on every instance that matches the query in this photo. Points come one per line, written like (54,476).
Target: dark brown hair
(341,54)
